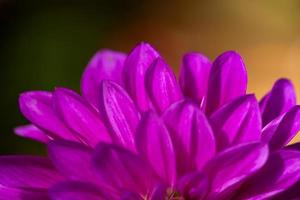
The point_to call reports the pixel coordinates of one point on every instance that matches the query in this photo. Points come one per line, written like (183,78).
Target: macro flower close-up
(136,132)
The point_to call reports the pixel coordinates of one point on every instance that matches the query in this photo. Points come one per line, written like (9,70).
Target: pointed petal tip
(143,47)
(161,85)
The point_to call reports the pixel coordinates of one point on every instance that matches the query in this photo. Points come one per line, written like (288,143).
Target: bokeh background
(47,43)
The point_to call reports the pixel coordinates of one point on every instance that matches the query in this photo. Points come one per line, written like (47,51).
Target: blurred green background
(47,43)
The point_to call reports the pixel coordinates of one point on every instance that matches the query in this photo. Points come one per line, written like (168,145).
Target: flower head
(136,133)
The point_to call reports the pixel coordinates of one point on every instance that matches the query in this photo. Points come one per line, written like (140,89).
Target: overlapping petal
(161,85)
(281,130)
(194,186)
(191,134)
(194,75)
(135,66)
(227,80)
(281,171)
(37,107)
(75,190)
(73,160)
(278,101)
(155,145)
(123,169)
(229,169)
(120,113)
(80,117)
(22,194)
(27,172)
(104,65)
(236,122)
(32,132)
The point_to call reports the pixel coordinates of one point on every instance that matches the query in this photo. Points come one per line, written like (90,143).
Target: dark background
(47,43)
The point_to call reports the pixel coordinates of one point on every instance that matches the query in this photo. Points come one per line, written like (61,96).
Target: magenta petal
(130,196)
(72,190)
(193,186)
(122,169)
(80,117)
(191,134)
(105,65)
(280,172)
(159,193)
(281,130)
(27,172)
(135,66)
(37,107)
(73,160)
(32,132)
(154,144)
(194,74)
(236,122)
(161,85)
(278,101)
(227,80)
(230,168)
(23,194)
(120,113)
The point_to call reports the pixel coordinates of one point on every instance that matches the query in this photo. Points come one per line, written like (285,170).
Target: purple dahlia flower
(136,133)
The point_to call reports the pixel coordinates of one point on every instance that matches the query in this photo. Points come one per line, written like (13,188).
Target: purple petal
(154,144)
(159,193)
(135,66)
(191,135)
(105,65)
(122,169)
(278,101)
(73,160)
(120,113)
(161,85)
(229,169)
(22,194)
(280,172)
(37,107)
(130,196)
(281,130)
(27,172)
(193,186)
(194,74)
(292,193)
(32,132)
(72,190)
(227,80)
(236,122)
(80,117)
